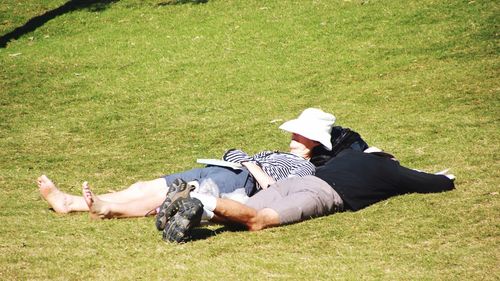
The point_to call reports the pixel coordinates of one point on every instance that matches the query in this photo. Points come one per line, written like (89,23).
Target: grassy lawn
(119,91)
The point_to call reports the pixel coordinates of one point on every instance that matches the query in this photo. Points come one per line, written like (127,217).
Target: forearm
(231,211)
(259,175)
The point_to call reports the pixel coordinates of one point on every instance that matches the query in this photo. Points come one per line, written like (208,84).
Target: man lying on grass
(349,182)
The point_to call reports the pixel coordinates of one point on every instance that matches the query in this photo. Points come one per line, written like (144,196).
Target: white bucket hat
(314,124)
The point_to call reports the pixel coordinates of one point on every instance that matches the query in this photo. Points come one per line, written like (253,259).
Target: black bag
(342,138)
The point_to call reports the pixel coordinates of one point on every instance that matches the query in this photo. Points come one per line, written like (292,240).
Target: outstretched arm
(421,182)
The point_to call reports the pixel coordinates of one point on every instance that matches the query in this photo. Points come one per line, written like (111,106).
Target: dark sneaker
(188,215)
(179,189)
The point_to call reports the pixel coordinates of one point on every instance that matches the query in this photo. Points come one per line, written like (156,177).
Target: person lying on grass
(350,181)
(259,172)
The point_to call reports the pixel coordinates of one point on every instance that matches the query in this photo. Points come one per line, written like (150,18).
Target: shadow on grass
(202,233)
(180,2)
(36,22)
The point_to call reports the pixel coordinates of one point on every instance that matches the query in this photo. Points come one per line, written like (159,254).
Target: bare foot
(58,200)
(98,208)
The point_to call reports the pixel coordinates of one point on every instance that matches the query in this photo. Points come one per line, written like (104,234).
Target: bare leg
(102,209)
(64,203)
(230,210)
(59,201)
(137,191)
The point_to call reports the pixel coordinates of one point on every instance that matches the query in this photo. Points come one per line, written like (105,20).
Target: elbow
(254,227)
(254,224)
(265,218)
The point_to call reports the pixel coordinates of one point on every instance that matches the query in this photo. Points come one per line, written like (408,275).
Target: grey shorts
(298,199)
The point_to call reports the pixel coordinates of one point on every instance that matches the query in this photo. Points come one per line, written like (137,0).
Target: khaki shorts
(298,198)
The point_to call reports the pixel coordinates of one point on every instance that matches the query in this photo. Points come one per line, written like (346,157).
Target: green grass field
(120,91)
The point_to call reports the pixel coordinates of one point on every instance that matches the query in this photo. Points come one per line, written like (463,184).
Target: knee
(138,187)
(264,218)
(152,188)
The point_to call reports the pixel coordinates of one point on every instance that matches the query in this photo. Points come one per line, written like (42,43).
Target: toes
(44,180)
(87,193)
(40,179)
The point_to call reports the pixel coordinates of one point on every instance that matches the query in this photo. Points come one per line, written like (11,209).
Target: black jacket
(362,179)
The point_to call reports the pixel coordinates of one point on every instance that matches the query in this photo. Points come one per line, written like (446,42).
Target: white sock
(209,202)
(207,215)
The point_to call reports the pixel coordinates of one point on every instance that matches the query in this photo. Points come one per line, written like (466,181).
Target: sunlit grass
(133,90)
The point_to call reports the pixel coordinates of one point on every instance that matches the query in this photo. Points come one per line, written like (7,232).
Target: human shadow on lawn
(38,21)
(202,233)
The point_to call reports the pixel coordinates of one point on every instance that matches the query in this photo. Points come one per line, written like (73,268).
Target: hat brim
(299,127)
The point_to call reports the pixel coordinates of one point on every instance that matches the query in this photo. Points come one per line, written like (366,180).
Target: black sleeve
(421,182)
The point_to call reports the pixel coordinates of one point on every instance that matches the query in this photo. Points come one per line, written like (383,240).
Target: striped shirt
(278,165)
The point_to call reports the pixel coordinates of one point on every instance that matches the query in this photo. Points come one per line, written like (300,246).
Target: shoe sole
(178,228)
(181,191)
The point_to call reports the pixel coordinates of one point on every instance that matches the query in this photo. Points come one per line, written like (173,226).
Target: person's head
(310,129)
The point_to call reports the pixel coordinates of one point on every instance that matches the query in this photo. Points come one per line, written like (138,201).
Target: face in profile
(302,146)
